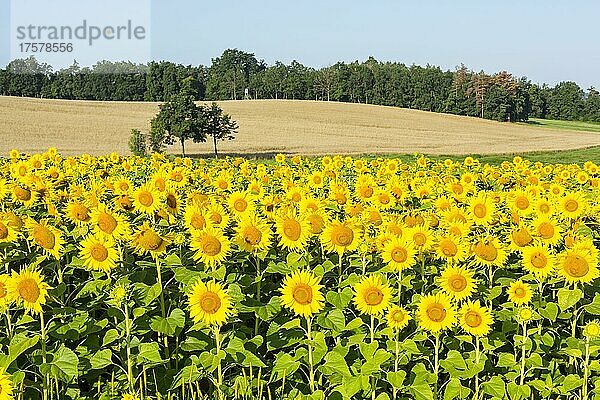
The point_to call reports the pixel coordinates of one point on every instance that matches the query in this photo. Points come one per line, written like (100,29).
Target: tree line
(238,75)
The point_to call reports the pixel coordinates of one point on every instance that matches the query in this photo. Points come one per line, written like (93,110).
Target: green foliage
(237,74)
(137,143)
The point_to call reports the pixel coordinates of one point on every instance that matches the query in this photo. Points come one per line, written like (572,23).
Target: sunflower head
(475,319)
(371,295)
(397,317)
(28,288)
(592,330)
(519,292)
(457,282)
(436,313)
(209,303)
(301,293)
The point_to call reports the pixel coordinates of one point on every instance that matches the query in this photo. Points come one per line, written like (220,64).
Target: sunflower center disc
(522,237)
(538,260)
(80,212)
(343,236)
(373,297)
(546,230)
(2,290)
(458,283)
(22,194)
(197,221)
(3,231)
(107,223)
(171,201)
(571,205)
(210,302)
(29,290)
(486,251)
(520,292)
(291,229)
(576,266)
(473,319)
(146,199)
(44,237)
(302,294)
(252,236)
(399,255)
(522,203)
(240,205)
(436,312)
(99,252)
(211,246)
(448,248)
(150,240)
(479,211)
(419,239)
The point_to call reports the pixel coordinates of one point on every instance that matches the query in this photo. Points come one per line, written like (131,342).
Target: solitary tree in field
(179,120)
(217,124)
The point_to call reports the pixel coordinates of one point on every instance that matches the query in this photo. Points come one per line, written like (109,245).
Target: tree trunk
(182,147)
(215,146)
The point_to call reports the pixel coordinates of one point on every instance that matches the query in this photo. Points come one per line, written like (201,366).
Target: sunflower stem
(45,378)
(523,350)
(219,371)
(128,347)
(396,361)
(162,305)
(258,284)
(586,370)
(436,362)
(372,329)
(9,327)
(477,359)
(340,271)
(400,287)
(310,354)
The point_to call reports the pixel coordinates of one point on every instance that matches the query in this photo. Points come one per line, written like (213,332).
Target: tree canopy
(237,74)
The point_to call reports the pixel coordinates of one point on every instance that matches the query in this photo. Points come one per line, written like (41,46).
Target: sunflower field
(298,278)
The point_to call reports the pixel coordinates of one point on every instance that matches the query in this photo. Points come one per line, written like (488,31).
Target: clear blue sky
(548,41)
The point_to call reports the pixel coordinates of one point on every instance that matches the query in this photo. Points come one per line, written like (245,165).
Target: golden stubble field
(272,126)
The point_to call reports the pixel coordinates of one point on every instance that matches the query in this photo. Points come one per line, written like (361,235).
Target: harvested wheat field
(272,126)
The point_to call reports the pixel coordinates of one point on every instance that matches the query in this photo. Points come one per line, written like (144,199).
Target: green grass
(568,125)
(578,156)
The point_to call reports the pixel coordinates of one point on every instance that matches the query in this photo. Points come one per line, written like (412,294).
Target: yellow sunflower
(577,265)
(436,313)
(371,295)
(399,254)
(519,292)
(457,282)
(253,235)
(481,209)
(488,251)
(450,248)
(572,205)
(147,240)
(475,319)
(98,253)
(7,233)
(341,236)
(28,288)
(46,236)
(397,317)
(547,230)
(194,217)
(24,195)
(294,231)
(211,246)
(241,204)
(209,303)
(421,236)
(147,199)
(108,223)
(5,300)
(217,215)
(78,213)
(301,293)
(539,261)
(6,386)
